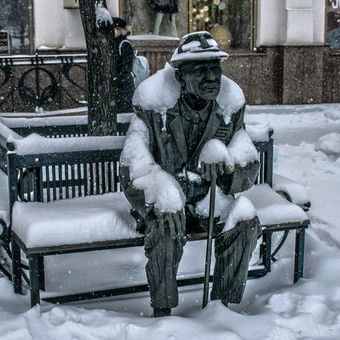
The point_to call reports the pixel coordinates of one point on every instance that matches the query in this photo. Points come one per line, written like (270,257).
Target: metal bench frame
(19,165)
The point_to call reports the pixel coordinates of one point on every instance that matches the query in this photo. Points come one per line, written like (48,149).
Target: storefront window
(14,22)
(333,24)
(229,21)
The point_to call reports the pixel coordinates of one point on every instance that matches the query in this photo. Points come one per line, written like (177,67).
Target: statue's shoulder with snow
(189,126)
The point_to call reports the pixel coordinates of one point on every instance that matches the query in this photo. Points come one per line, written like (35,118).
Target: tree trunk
(100,42)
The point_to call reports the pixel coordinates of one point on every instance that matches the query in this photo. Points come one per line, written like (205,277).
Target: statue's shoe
(159,312)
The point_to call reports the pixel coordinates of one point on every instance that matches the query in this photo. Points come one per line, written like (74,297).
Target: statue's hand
(208,170)
(215,160)
(174,221)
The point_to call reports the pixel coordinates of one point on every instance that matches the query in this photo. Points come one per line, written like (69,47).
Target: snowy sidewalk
(273,308)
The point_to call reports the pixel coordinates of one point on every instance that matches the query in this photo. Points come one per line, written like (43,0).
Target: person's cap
(119,22)
(197,46)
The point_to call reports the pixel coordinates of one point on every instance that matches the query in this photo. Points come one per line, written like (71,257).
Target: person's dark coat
(124,82)
(164,6)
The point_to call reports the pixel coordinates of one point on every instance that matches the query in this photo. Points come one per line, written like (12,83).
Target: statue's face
(201,79)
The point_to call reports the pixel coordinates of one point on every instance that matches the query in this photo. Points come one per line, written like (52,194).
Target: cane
(210,233)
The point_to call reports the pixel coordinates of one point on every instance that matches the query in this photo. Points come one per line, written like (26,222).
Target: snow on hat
(197,46)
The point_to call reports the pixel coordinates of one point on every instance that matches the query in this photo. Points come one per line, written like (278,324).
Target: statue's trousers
(233,250)
(164,254)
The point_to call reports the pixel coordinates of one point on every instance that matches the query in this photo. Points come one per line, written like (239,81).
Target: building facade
(281,51)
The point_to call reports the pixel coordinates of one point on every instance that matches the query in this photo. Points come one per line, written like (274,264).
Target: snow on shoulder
(230,98)
(161,91)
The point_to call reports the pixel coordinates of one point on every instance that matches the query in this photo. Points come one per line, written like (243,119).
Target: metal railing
(38,81)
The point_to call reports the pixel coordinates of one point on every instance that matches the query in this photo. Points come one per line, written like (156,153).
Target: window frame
(253,23)
(332,50)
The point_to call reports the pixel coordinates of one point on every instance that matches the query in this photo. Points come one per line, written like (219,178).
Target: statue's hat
(197,46)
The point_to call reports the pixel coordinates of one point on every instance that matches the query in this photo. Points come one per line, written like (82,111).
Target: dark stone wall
(272,75)
(331,78)
(303,74)
(258,74)
(287,75)
(158,52)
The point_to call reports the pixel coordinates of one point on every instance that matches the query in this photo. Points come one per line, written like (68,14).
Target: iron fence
(36,82)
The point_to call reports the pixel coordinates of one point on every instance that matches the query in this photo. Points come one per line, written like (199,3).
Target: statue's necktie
(194,132)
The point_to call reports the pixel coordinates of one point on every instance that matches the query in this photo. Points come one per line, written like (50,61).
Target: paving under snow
(272,308)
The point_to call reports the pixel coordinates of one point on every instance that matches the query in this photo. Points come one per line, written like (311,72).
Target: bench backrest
(55,131)
(266,152)
(62,175)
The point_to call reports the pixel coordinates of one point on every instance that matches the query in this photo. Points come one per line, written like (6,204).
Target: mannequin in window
(162,7)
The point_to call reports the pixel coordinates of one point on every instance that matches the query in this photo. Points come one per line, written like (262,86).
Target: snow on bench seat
(271,208)
(74,221)
(107,217)
(296,191)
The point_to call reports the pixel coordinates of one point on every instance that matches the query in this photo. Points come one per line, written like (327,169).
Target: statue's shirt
(194,123)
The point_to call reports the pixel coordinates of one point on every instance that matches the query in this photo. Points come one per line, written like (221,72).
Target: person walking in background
(162,7)
(124,54)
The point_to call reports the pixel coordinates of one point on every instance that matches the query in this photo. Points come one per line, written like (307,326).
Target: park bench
(49,178)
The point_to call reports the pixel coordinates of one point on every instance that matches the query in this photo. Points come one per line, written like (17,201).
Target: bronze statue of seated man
(165,168)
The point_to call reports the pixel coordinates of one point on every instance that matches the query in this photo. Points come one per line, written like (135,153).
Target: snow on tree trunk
(99,35)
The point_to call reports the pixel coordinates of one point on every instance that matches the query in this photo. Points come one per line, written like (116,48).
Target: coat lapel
(209,132)
(177,131)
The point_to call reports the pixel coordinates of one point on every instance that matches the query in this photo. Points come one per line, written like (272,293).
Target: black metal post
(268,163)
(34,280)
(299,253)
(267,245)
(210,233)
(16,268)
(41,273)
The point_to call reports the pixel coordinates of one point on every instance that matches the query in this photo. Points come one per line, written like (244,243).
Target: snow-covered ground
(273,307)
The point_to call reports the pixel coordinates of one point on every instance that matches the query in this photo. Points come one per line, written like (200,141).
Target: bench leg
(34,280)
(299,253)
(16,268)
(41,273)
(267,250)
